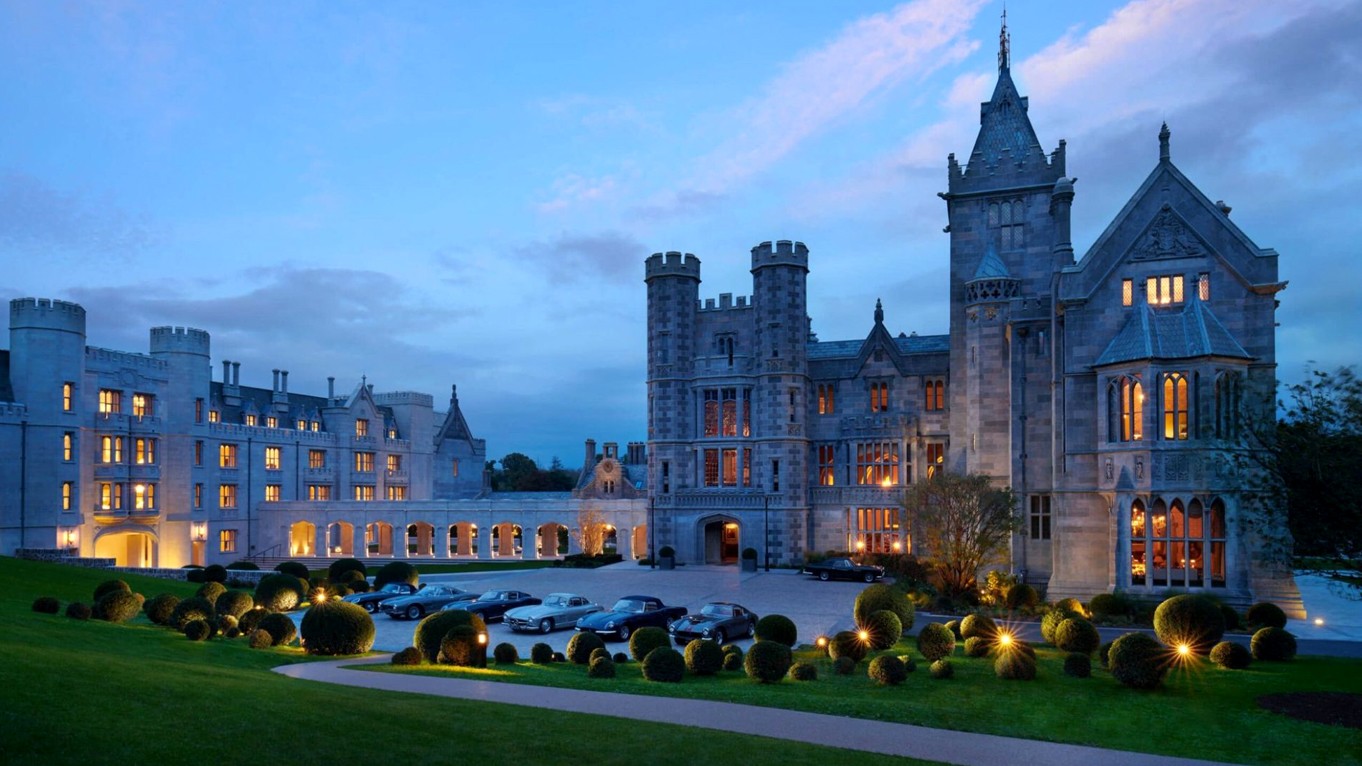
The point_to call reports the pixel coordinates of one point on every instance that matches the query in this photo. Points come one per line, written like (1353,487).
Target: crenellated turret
(47,351)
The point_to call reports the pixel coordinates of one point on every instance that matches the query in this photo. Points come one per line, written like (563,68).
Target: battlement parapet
(182,340)
(102,359)
(405,397)
(725,303)
(46,314)
(783,253)
(671,264)
(15,411)
(1005,171)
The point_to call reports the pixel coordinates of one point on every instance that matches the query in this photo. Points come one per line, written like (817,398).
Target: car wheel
(823,576)
(869,577)
(414,612)
(546,625)
(719,637)
(371,607)
(624,633)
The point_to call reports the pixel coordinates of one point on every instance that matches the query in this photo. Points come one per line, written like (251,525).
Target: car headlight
(610,625)
(706,632)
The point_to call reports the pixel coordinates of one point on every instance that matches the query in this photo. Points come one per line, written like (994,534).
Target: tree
(591,531)
(964,522)
(1319,455)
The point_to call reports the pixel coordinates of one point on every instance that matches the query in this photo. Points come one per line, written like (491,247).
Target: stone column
(624,542)
(321,546)
(441,550)
(357,546)
(485,542)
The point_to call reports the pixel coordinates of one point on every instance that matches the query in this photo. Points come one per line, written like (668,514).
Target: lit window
(271,422)
(827,399)
(397,493)
(827,458)
(361,427)
(316,458)
(198,452)
(1175,406)
(1203,286)
(878,531)
(392,433)
(111,449)
(364,492)
(142,405)
(110,401)
(213,416)
(1163,290)
(936,458)
(394,463)
(226,495)
(319,492)
(144,496)
(1177,545)
(198,496)
(227,540)
(1040,517)
(747,466)
(730,411)
(936,394)
(68,446)
(144,451)
(1125,409)
(730,467)
(250,420)
(272,493)
(227,456)
(877,463)
(316,425)
(108,498)
(1127,292)
(68,493)
(273,458)
(302,424)
(711,468)
(712,412)
(364,461)
(454,468)
(879,397)
(68,396)
(747,412)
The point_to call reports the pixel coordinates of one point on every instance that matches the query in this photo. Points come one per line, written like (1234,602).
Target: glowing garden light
(864,635)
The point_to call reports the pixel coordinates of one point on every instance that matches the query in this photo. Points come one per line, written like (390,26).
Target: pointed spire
(879,312)
(1163,143)
(1004,45)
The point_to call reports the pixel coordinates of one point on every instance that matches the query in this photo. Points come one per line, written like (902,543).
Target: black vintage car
(718,621)
(628,615)
(372,599)
(429,599)
(844,569)
(493,604)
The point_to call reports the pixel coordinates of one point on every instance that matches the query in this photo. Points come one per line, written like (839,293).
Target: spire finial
(879,312)
(1163,143)
(1004,45)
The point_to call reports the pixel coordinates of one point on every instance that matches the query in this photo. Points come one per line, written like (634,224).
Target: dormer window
(250,420)
(1164,290)
(361,427)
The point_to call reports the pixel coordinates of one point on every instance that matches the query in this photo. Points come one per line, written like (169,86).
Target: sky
(431,194)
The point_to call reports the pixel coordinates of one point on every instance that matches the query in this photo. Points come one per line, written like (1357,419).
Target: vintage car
(718,621)
(373,598)
(628,615)
(844,569)
(429,599)
(559,610)
(493,604)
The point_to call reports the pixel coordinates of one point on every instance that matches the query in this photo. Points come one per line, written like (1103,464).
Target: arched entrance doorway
(551,540)
(463,539)
(639,548)
(128,548)
(302,535)
(340,538)
(378,538)
(720,542)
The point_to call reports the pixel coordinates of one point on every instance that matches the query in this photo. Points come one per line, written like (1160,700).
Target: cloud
(37,218)
(573,189)
(573,257)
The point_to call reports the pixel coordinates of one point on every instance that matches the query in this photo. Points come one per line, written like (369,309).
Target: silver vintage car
(559,610)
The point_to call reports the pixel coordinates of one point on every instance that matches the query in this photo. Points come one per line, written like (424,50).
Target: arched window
(1169,547)
(1175,406)
(1137,543)
(1125,409)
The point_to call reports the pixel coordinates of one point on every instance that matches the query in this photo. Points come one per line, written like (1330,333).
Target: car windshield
(716,610)
(628,605)
(491,595)
(392,587)
(430,590)
(556,601)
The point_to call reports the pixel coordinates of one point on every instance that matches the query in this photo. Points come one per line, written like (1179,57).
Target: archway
(420,539)
(506,540)
(127,548)
(378,538)
(639,546)
(340,538)
(611,542)
(720,540)
(302,535)
(551,540)
(463,539)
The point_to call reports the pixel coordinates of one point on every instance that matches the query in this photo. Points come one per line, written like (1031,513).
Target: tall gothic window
(879,396)
(827,399)
(1175,406)
(936,394)
(1125,409)
(1009,218)
(827,458)
(712,412)
(878,531)
(1177,545)
(877,463)
(1227,403)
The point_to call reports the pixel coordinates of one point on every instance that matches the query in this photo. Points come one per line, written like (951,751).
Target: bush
(804,671)
(225,623)
(1231,656)
(1072,605)
(704,657)
(1051,621)
(599,652)
(194,574)
(601,667)
(409,656)
(337,627)
(733,659)
(109,586)
(351,576)
(78,611)
(954,627)
(1231,617)
(749,554)
(768,661)
(431,630)
(909,664)
(621,658)
(460,647)
(215,573)
(1077,635)
(197,630)
(1273,645)
(935,642)
(978,626)
(505,653)
(1015,666)
(541,654)
(251,619)
(1109,605)
(211,591)
(581,645)
(778,628)
(942,670)
(879,596)
(844,666)
(666,551)
(1077,665)
(1192,620)
(1103,654)
(46,605)
(645,640)
(243,566)
(664,665)
(234,602)
(882,629)
(977,647)
(192,608)
(887,670)
(280,627)
(846,644)
(1021,596)
(1265,615)
(396,571)
(1138,661)
(295,569)
(280,592)
(340,567)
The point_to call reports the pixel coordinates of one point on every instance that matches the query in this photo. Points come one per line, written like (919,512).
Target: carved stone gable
(1168,236)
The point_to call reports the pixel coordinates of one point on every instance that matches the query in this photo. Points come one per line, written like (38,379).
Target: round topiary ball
(461,647)
(978,626)
(337,627)
(954,627)
(733,660)
(848,644)
(934,641)
(599,652)
(1103,654)
(601,667)
(235,603)
(1231,617)
(1265,615)
(1077,665)
(193,574)
(804,671)
(215,573)
(1015,666)
(581,645)
(768,661)
(1072,605)
(295,568)
(46,605)
(280,592)
(887,670)
(880,596)
(160,608)
(1051,620)
(541,654)
(1138,661)
(1108,605)
(280,627)
(1191,620)
(621,658)
(341,567)
(1273,645)
(251,619)
(645,640)
(431,630)
(665,665)
(505,653)
(909,664)
(243,565)
(1077,635)
(351,576)
(109,586)
(559,657)
(197,630)
(408,656)
(704,657)
(232,632)
(396,571)
(778,628)
(78,611)
(844,666)
(1231,656)
(211,591)
(977,647)
(225,623)
(942,670)
(192,608)
(1021,596)
(882,629)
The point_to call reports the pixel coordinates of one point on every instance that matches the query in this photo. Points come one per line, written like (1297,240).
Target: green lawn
(92,693)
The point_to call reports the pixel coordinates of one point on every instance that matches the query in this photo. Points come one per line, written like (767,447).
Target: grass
(94,693)
(1201,712)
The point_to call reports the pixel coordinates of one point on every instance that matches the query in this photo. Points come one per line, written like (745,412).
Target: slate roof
(6,389)
(991,266)
(1161,333)
(909,344)
(1003,125)
(299,405)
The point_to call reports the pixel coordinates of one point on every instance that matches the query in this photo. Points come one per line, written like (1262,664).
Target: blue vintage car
(719,621)
(373,598)
(628,615)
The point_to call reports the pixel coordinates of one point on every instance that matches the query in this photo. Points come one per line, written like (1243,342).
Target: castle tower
(47,350)
(673,283)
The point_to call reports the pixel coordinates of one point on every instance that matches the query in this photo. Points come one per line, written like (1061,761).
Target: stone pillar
(321,546)
(624,542)
(358,547)
(441,541)
(1120,577)
(485,542)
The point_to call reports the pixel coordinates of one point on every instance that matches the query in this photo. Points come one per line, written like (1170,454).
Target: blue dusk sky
(463,193)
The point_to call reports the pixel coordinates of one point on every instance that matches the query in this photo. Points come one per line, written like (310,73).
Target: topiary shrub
(396,571)
(46,605)
(251,619)
(1051,620)
(409,656)
(665,665)
(1021,596)
(192,608)
(620,658)
(340,567)
(778,628)
(909,664)
(704,657)
(109,586)
(934,641)
(942,670)
(432,629)
(1103,653)
(1015,666)
(581,645)
(978,626)
(1231,656)
(804,671)
(645,640)
(559,657)
(880,596)
(225,623)
(461,647)
(232,632)
(847,644)
(882,629)
(541,654)
(1109,605)
(599,652)
(844,666)
(954,627)
(78,611)
(1230,616)
(215,573)
(1273,645)
(197,630)
(505,653)
(977,647)
(1077,635)
(294,568)
(243,566)
(887,670)
(235,603)
(1138,661)
(601,667)
(351,576)
(211,591)
(1072,605)
(732,659)
(768,661)
(1265,615)
(337,627)
(280,592)
(1192,620)
(1077,665)
(280,627)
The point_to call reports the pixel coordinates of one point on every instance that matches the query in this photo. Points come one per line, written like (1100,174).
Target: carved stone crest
(1167,237)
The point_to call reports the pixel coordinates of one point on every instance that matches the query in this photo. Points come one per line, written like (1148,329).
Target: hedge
(337,627)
